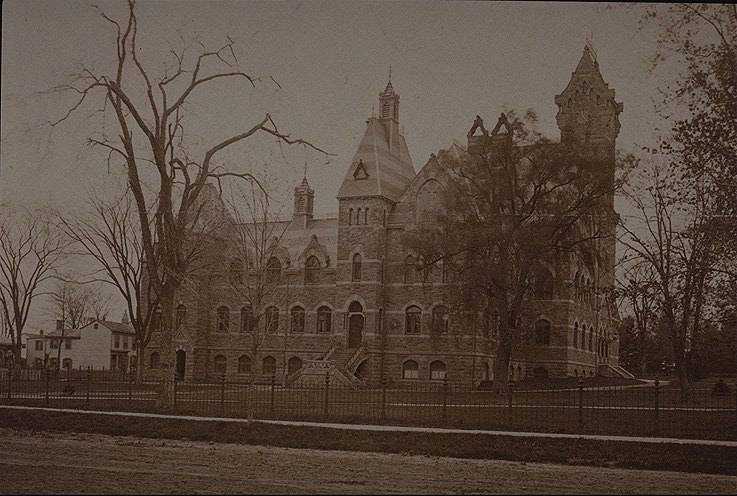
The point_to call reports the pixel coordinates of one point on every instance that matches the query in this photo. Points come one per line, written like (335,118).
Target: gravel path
(89,463)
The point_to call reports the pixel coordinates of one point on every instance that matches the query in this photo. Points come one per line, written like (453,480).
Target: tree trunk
(166,349)
(501,363)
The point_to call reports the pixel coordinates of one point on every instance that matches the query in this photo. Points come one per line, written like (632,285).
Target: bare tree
(30,251)
(257,272)
(151,138)
(109,235)
(670,237)
(510,209)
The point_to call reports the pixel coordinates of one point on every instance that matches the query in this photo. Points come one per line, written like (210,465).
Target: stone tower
(377,176)
(588,114)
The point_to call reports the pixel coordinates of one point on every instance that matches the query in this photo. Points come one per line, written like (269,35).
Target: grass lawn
(675,457)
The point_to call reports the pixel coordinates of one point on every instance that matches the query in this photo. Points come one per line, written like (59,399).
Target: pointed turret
(382,165)
(587,111)
(304,197)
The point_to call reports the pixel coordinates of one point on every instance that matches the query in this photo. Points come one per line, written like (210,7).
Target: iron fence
(629,410)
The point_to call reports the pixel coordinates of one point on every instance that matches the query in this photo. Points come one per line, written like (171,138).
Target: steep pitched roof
(381,166)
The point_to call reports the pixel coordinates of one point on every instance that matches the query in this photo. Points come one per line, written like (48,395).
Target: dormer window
(360,173)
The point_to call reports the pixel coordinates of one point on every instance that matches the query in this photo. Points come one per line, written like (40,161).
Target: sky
(449,62)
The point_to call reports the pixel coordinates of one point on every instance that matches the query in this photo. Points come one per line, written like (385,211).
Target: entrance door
(180,364)
(355,331)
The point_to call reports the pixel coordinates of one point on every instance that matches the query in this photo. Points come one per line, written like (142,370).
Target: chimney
(59,324)
(41,332)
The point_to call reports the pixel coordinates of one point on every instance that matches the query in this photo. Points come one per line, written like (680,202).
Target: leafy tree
(513,207)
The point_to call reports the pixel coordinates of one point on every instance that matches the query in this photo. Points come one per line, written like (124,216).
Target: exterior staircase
(615,371)
(337,363)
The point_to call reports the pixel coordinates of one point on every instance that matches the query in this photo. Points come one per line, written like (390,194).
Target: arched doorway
(293,365)
(355,325)
(180,365)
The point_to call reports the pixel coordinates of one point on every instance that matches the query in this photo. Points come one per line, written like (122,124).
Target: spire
(587,63)
(389,101)
(304,197)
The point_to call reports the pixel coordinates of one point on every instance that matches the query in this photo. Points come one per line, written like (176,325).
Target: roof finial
(390,73)
(590,44)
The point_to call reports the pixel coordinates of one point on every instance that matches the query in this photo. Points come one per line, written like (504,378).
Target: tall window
(440,320)
(591,340)
(236,272)
(244,364)
(68,344)
(66,363)
(358,216)
(577,286)
(272,319)
(298,319)
(223,319)
(356,268)
(542,333)
(324,319)
(155,360)
(312,270)
(543,284)
(583,337)
(273,270)
(247,319)
(437,370)
(575,334)
(181,315)
(413,320)
(221,364)
(365,216)
(268,366)
(410,370)
(156,320)
(409,270)
(350,216)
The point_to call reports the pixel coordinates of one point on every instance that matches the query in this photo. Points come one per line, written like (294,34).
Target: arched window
(312,270)
(155,360)
(298,319)
(268,366)
(223,319)
(181,315)
(410,370)
(156,319)
(409,270)
(577,286)
(236,272)
(272,319)
(588,291)
(355,307)
(591,340)
(244,364)
(358,216)
(440,320)
(293,365)
(437,370)
(324,319)
(575,334)
(543,284)
(583,337)
(365,216)
(247,319)
(413,320)
(356,268)
(221,364)
(273,270)
(350,216)
(542,333)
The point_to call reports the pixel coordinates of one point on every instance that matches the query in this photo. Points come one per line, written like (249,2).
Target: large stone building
(346,298)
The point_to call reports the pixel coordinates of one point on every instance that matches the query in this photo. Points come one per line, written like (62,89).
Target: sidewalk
(396,428)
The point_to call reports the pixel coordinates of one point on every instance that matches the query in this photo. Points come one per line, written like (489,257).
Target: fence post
(327,389)
(130,390)
(509,404)
(445,400)
(383,400)
(271,394)
(222,396)
(10,381)
(46,395)
(580,405)
(89,380)
(657,405)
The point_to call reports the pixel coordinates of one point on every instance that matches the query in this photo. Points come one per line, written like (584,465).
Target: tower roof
(588,62)
(381,166)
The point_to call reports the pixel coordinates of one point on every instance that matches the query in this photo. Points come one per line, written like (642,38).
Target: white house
(99,344)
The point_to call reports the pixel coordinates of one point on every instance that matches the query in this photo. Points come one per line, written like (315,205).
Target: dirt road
(87,463)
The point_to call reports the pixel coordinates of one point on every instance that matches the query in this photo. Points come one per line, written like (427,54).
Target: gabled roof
(382,161)
(112,326)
